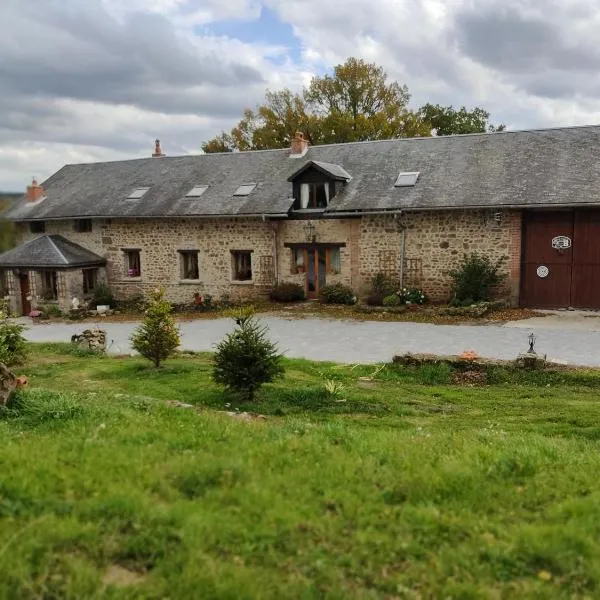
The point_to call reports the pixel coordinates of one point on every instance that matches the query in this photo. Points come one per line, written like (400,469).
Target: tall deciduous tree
(356,102)
(446,120)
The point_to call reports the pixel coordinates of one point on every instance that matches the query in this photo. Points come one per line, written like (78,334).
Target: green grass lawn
(404,486)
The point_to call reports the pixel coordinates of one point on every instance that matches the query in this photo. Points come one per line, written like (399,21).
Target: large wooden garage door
(561,260)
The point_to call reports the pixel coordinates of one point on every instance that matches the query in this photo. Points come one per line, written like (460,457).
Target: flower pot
(102,309)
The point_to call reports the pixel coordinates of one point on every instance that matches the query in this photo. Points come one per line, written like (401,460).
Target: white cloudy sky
(85,80)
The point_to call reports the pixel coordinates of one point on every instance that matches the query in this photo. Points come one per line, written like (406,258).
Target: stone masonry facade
(420,247)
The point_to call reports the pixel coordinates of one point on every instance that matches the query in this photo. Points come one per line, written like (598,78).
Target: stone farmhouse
(238,223)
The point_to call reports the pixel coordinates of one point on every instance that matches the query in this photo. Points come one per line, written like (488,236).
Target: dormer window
(316,183)
(313,195)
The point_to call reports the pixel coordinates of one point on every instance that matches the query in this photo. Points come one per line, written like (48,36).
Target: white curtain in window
(304,195)
(327,192)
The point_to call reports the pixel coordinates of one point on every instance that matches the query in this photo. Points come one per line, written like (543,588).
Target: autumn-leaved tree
(357,102)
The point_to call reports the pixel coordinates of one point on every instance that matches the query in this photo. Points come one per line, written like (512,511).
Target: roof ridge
(58,250)
(359,142)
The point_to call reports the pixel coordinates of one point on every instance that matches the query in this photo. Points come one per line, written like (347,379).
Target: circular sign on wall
(543,271)
(561,242)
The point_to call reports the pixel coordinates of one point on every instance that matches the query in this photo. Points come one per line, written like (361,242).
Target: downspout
(275,227)
(398,219)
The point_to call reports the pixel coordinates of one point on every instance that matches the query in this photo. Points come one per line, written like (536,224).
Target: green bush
(102,296)
(286,291)
(473,279)
(157,337)
(392,300)
(383,285)
(246,358)
(338,293)
(13,349)
(50,310)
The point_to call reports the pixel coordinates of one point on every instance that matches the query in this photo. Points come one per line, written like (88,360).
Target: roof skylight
(407,179)
(196,191)
(245,190)
(138,193)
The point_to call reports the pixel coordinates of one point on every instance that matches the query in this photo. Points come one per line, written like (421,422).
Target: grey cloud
(74,49)
(531,49)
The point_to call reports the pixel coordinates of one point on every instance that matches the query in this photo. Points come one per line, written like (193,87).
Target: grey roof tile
(50,252)
(553,167)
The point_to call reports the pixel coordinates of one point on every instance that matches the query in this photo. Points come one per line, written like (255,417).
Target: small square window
(133,263)
(137,193)
(37,226)
(83,225)
(196,191)
(189,264)
(90,277)
(407,179)
(245,190)
(241,262)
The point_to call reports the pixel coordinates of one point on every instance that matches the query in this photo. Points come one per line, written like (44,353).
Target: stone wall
(159,242)
(436,241)
(432,243)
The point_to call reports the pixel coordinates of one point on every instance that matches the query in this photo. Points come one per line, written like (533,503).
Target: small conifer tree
(246,358)
(158,336)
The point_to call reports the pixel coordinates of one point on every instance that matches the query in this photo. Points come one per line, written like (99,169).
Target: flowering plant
(412,296)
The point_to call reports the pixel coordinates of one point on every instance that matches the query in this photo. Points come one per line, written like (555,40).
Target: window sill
(245,282)
(190,282)
(309,210)
(130,280)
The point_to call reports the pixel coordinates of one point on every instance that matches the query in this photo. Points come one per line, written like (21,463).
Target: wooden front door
(24,283)
(585,278)
(561,260)
(315,260)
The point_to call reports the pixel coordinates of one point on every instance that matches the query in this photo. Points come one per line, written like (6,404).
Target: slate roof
(537,168)
(50,252)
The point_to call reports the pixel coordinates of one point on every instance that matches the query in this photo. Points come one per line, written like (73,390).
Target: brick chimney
(34,192)
(299,145)
(158,153)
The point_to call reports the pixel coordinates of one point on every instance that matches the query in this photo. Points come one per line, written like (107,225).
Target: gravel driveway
(365,341)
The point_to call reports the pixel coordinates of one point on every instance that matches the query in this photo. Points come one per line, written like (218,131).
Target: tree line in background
(356,103)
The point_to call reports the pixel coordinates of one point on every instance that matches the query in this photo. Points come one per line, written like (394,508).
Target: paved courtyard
(573,339)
